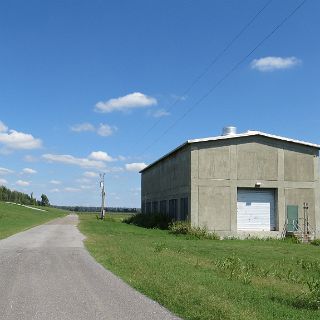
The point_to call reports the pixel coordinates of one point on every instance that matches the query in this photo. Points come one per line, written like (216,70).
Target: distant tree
(15,196)
(33,200)
(44,200)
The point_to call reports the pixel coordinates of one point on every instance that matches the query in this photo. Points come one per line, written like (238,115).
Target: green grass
(15,218)
(114,216)
(209,279)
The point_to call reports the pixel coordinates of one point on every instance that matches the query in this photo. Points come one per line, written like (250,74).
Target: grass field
(210,279)
(15,218)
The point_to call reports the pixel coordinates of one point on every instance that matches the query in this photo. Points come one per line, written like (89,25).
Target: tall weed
(315,242)
(151,221)
(183,227)
(235,268)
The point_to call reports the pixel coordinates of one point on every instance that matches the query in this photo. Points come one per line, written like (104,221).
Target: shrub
(182,227)
(291,239)
(315,242)
(160,221)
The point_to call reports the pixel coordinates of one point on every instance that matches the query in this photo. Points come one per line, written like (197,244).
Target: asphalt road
(46,273)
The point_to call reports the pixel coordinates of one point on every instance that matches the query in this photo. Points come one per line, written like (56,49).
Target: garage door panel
(255,210)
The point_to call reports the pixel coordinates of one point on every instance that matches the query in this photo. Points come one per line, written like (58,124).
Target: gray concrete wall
(210,173)
(219,168)
(297,197)
(298,166)
(214,206)
(257,162)
(168,179)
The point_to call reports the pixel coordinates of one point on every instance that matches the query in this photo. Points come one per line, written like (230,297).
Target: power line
(211,64)
(234,68)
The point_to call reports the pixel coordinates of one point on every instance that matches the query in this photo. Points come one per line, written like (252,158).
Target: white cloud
(178,98)
(114,169)
(4,171)
(86,187)
(22,183)
(5,151)
(19,140)
(122,158)
(101,156)
(13,139)
(136,166)
(68,159)
(125,103)
(30,158)
(3,127)
(3,181)
(29,171)
(136,192)
(69,189)
(55,190)
(56,182)
(91,174)
(160,113)
(274,63)
(83,127)
(83,180)
(105,130)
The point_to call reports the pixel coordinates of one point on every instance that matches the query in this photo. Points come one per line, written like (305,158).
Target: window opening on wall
(173,209)
(148,208)
(163,206)
(184,208)
(155,207)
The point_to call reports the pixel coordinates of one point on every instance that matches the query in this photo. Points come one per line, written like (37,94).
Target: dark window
(183,208)
(163,206)
(148,208)
(155,208)
(173,209)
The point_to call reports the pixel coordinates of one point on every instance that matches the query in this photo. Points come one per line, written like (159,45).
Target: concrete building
(251,183)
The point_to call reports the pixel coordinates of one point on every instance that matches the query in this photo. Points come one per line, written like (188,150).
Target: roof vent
(229,131)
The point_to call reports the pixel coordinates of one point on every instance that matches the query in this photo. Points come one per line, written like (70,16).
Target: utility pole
(103,194)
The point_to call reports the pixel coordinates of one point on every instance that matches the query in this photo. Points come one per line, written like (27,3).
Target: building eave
(256,133)
(165,156)
(249,133)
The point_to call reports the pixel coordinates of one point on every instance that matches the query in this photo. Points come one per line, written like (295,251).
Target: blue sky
(81,83)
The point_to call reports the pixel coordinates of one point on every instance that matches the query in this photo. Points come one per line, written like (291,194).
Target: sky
(110,86)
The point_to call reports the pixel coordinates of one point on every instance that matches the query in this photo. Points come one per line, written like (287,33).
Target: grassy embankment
(210,279)
(14,218)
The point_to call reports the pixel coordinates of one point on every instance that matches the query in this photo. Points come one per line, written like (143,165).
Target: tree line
(98,209)
(22,198)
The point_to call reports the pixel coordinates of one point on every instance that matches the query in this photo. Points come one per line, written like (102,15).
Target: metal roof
(249,133)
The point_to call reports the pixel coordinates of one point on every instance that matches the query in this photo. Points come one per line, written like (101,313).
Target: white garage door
(255,210)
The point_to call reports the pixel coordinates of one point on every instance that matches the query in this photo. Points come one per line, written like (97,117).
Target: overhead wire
(227,75)
(210,65)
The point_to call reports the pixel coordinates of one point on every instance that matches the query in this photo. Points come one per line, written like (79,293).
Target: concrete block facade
(166,182)
(210,172)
